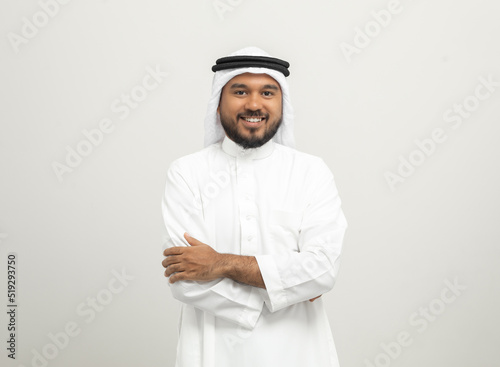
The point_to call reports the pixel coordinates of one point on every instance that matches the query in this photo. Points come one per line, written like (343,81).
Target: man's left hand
(196,262)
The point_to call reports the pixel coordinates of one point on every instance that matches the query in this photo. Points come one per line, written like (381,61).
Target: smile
(253,122)
(253,119)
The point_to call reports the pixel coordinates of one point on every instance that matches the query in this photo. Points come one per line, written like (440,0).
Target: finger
(169,260)
(176,277)
(192,241)
(177,268)
(176,250)
(164,263)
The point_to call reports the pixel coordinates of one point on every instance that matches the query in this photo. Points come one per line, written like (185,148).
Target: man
(255,227)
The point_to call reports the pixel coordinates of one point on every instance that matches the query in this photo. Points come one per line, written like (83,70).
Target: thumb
(192,241)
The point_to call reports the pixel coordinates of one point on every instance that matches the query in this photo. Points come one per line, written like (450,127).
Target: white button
(249,217)
(249,238)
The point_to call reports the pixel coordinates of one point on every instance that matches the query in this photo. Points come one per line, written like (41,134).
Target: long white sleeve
(294,277)
(224,298)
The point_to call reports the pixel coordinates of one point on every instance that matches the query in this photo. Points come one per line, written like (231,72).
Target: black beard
(230,127)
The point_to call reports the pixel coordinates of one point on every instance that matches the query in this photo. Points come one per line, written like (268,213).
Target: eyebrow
(267,86)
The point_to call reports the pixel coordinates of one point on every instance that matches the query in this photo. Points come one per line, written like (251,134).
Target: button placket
(246,187)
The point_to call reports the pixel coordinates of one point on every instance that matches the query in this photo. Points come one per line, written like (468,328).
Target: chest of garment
(257,205)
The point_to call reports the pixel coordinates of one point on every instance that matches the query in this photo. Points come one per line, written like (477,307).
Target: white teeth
(253,120)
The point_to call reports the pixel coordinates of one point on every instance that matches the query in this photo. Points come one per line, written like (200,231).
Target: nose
(254,102)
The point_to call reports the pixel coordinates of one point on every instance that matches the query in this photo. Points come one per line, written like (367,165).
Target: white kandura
(281,206)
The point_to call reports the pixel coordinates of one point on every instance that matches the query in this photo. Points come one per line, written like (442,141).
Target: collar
(234,150)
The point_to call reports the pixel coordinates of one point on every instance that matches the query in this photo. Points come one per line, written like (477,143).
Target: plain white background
(361,114)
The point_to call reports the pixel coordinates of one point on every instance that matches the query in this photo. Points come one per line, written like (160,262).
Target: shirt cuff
(274,295)
(248,305)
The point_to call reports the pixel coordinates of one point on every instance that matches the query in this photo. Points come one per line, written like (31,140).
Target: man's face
(250,109)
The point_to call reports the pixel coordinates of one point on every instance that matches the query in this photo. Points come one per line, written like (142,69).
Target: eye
(267,94)
(239,92)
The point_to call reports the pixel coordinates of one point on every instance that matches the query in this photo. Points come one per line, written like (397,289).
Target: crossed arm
(202,263)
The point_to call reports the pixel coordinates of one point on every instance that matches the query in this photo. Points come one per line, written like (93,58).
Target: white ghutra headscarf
(214,131)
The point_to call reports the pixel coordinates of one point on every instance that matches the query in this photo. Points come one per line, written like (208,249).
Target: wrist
(223,266)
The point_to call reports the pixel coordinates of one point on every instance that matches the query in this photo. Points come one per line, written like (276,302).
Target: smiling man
(265,229)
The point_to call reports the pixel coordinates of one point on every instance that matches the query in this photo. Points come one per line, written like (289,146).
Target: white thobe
(281,206)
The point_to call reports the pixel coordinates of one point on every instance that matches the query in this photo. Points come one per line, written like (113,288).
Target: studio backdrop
(400,98)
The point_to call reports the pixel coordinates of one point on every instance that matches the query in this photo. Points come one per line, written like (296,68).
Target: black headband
(236,62)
